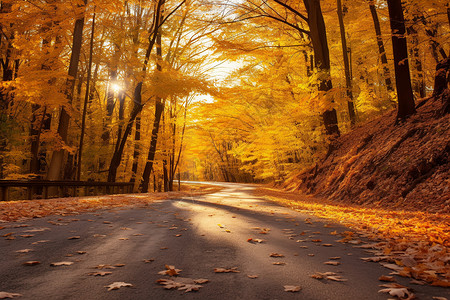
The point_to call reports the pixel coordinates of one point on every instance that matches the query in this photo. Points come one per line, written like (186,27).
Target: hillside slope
(378,164)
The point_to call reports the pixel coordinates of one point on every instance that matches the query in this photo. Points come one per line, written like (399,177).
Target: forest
(225,90)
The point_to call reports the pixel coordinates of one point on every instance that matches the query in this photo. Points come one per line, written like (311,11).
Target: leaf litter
(182,284)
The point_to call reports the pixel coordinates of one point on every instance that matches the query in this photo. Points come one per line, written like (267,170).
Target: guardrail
(62,188)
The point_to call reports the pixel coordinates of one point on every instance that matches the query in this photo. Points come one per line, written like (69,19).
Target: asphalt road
(196,235)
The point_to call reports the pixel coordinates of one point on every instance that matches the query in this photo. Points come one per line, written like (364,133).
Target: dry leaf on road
(397,292)
(104,266)
(76,237)
(332,263)
(170,270)
(273,254)
(24,250)
(99,273)
(117,285)
(252,276)
(224,270)
(386,278)
(292,288)
(180,283)
(336,278)
(4,295)
(61,263)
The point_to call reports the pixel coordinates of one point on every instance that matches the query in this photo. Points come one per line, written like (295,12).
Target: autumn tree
(406,104)
(57,162)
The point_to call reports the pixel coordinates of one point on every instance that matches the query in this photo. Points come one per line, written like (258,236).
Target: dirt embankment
(405,166)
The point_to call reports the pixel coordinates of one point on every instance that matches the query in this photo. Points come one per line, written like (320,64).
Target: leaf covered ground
(380,165)
(411,244)
(24,209)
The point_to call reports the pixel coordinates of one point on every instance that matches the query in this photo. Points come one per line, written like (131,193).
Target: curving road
(196,235)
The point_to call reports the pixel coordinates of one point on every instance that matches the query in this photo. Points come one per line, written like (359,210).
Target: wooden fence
(44,189)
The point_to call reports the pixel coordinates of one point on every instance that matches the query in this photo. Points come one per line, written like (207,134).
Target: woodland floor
(225,241)
(379,165)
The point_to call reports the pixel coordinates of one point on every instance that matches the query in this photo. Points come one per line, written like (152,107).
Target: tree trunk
(86,100)
(418,80)
(348,79)
(120,146)
(137,140)
(56,164)
(406,106)
(318,37)
(381,49)
(159,109)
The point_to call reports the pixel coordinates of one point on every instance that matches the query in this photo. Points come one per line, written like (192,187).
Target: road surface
(194,234)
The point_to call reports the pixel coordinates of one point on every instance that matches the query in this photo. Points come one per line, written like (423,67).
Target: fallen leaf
(117,285)
(99,235)
(310,254)
(327,245)
(332,263)
(375,258)
(123,239)
(273,254)
(24,250)
(99,273)
(4,295)
(220,225)
(392,267)
(201,280)
(419,282)
(81,252)
(441,283)
(148,260)
(252,276)
(26,235)
(439,298)
(292,288)
(41,241)
(104,266)
(336,278)
(335,257)
(31,263)
(328,275)
(224,270)
(61,263)
(316,240)
(119,265)
(73,237)
(317,276)
(227,230)
(170,270)
(177,235)
(279,263)
(397,292)
(386,278)
(182,284)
